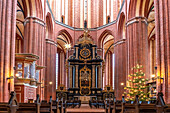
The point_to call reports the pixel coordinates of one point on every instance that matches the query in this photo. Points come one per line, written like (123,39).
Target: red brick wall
(162,27)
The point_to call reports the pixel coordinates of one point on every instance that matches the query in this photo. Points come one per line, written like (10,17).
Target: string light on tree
(136,85)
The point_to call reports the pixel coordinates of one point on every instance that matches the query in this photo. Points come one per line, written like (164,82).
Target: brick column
(33,34)
(137,44)
(50,75)
(120,69)
(7,50)
(162,22)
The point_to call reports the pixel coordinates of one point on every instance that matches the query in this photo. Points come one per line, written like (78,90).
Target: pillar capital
(34,20)
(137,20)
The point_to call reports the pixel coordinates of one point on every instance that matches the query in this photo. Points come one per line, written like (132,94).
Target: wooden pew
(158,107)
(93,103)
(100,103)
(55,107)
(72,103)
(160,104)
(114,106)
(46,107)
(58,106)
(127,107)
(117,107)
(136,107)
(109,105)
(97,103)
(11,106)
(144,107)
(30,107)
(76,103)
(69,103)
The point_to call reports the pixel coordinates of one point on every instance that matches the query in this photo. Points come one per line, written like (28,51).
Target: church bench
(11,106)
(76,103)
(93,103)
(69,103)
(55,107)
(100,103)
(46,107)
(147,108)
(114,106)
(109,105)
(167,109)
(29,107)
(139,108)
(136,107)
(128,108)
(58,106)
(3,108)
(144,107)
(97,103)
(117,108)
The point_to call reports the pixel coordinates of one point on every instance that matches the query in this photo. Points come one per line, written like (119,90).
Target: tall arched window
(62,19)
(108,19)
(56,70)
(113,69)
(152,56)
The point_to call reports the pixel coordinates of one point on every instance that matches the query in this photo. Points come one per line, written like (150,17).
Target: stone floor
(85,108)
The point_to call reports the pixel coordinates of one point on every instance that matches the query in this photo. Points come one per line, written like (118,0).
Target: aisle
(85,108)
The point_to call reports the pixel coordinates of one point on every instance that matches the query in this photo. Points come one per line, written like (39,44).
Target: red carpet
(85,109)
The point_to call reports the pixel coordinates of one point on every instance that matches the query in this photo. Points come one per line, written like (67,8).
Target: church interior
(84,56)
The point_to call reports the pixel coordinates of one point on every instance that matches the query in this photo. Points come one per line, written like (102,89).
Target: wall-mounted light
(50,82)
(17,75)
(153,75)
(67,46)
(122,84)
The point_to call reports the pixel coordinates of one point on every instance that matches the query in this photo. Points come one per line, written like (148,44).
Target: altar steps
(85,109)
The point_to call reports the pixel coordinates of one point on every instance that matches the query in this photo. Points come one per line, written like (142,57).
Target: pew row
(29,107)
(137,107)
(11,106)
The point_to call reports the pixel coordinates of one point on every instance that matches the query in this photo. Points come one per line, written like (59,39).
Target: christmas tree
(136,85)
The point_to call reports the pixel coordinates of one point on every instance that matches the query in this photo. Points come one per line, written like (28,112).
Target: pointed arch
(66,34)
(132,9)
(33,8)
(139,8)
(103,35)
(121,26)
(49,23)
